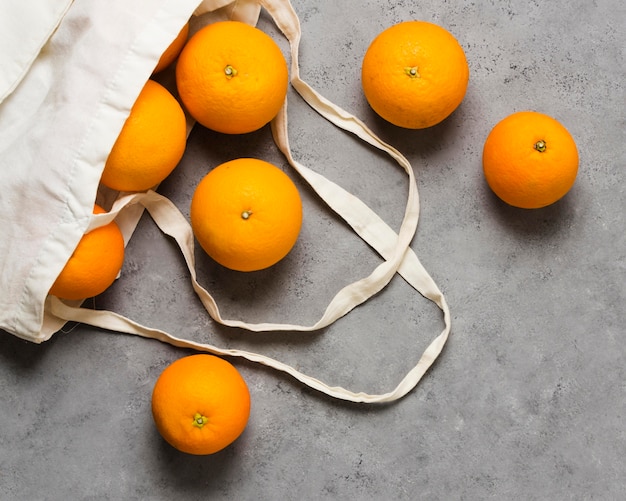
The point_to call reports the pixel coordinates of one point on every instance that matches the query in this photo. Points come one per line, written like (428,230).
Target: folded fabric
(59,124)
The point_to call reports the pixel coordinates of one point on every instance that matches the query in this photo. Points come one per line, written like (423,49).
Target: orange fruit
(232,77)
(414,74)
(150,144)
(246,214)
(94,264)
(173,50)
(200,404)
(530,160)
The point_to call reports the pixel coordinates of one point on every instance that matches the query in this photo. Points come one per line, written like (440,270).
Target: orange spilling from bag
(94,265)
(151,143)
(173,50)
(246,214)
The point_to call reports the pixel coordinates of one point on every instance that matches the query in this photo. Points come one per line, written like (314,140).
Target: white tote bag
(64,100)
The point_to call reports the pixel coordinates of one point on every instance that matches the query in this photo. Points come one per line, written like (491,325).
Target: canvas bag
(63,105)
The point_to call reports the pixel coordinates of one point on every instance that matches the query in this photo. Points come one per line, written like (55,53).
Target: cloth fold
(57,128)
(25,27)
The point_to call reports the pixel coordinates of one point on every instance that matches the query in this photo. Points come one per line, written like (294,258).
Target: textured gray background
(529,396)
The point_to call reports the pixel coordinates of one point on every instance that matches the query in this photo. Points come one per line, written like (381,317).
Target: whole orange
(173,50)
(94,264)
(200,404)
(530,160)
(246,214)
(150,144)
(232,77)
(414,74)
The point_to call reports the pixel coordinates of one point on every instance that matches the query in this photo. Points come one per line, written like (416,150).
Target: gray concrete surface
(528,399)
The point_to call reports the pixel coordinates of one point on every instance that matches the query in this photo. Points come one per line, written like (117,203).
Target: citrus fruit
(232,77)
(414,74)
(150,144)
(246,214)
(172,50)
(200,404)
(94,264)
(530,160)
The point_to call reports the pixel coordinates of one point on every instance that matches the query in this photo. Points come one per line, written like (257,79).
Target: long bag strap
(394,248)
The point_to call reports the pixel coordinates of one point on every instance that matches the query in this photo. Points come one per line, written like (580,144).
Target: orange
(232,77)
(530,160)
(172,50)
(94,264)
(414,74)
(200,404)
(246,214)
(150,144)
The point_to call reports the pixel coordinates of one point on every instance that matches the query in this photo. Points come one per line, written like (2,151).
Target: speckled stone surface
(528,399)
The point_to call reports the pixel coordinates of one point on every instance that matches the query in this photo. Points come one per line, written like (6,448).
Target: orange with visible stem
(200,404)
(232,77)
(246,214)
(414,74)
(530,160)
